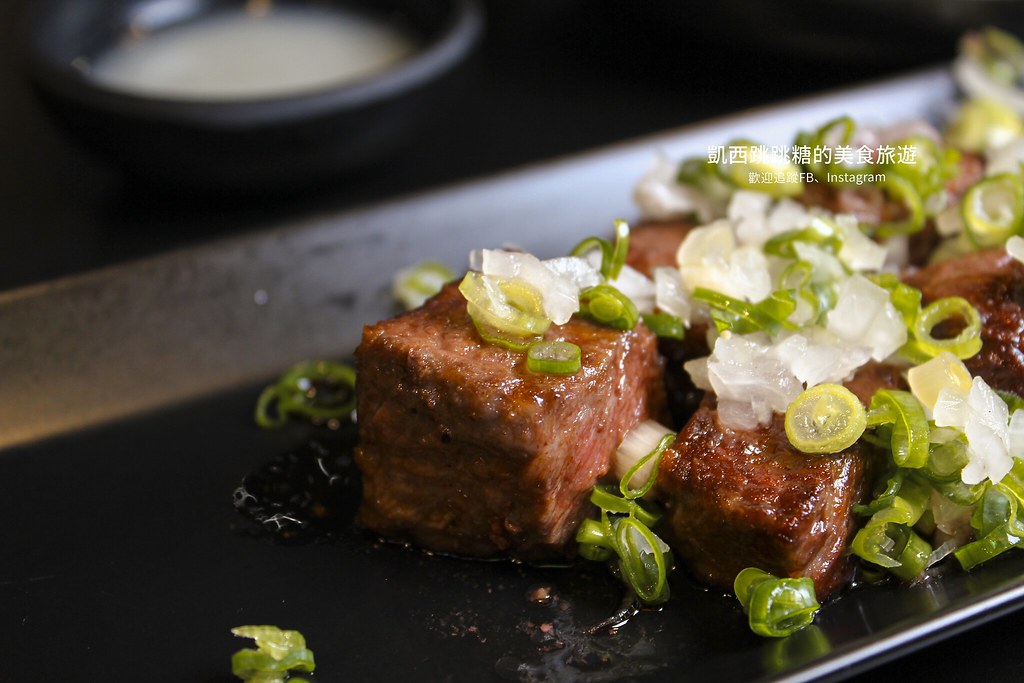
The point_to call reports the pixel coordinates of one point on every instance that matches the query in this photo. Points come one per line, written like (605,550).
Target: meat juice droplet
(303,494)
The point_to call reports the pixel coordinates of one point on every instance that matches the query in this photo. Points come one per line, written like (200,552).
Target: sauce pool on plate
(238,55)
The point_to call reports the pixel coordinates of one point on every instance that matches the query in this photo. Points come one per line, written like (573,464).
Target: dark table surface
(550,78)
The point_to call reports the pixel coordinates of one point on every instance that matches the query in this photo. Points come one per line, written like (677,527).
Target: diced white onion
(698,371)
(749,213)
(661,197)
(972,77)
(670,293)
(637,286)
(638,442)
(561,293)
(742,370)
(816,362)
(945,371)
(1015,434)
(864,316)
(788,214)
(1015,247)
(1007,159)
(577,269)
(983,417)
(859,251)
(950,221)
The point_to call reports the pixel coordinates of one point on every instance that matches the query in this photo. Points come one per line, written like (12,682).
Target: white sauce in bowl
(237,55)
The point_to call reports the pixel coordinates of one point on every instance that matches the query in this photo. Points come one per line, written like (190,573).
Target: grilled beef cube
(993,282)
(464,450)
(653,245)
(747,498)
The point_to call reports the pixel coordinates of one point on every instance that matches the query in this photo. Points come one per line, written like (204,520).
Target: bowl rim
(439,55)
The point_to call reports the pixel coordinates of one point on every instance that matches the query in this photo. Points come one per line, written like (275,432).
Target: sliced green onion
(817,234)
(654,457)
(609,499)
(643,559)
(624,532)
(905,299)
(413,286)
(827,418)
(996,521)
(887,539)
(946,460)
(319,390)
(784,174)
(505,311)
(553,357)
(905,414)
(775,607)
(993,209)
(729,313)
(664,325)
(278,652)
(613,256)
(606,305)
(965,344)
(984,124)
(903,190)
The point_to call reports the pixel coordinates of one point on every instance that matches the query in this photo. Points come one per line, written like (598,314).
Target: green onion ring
(664,325)
(303,390)
(827,418)
(775,607)
(966,344)
(554,357)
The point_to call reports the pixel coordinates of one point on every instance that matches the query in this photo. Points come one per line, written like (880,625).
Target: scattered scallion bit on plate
(623,532)
(775,607)
(318,390)
(414,285)
(277,654)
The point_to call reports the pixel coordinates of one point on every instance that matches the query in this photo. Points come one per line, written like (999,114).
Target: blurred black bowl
(275,141)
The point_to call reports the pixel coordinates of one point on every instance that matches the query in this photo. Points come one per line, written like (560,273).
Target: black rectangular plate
(126,426)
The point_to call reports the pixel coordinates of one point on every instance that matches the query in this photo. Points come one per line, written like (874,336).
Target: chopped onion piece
(741,370)
(859,252)
(983,417)
(661,197)
(864,316)
(817,362)
(749,212)
(788,214)
(941,372)
(1006,159)
(637,286)
(1015,247)
(670,293)
(972,77)
(698,371)
(579,270)
(561,294)
(950,221)
(638,442)
(1015,434)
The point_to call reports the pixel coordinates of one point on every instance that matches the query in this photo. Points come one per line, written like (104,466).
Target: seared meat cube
(993,282)
(747,498)
(652,245)
(464,450)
